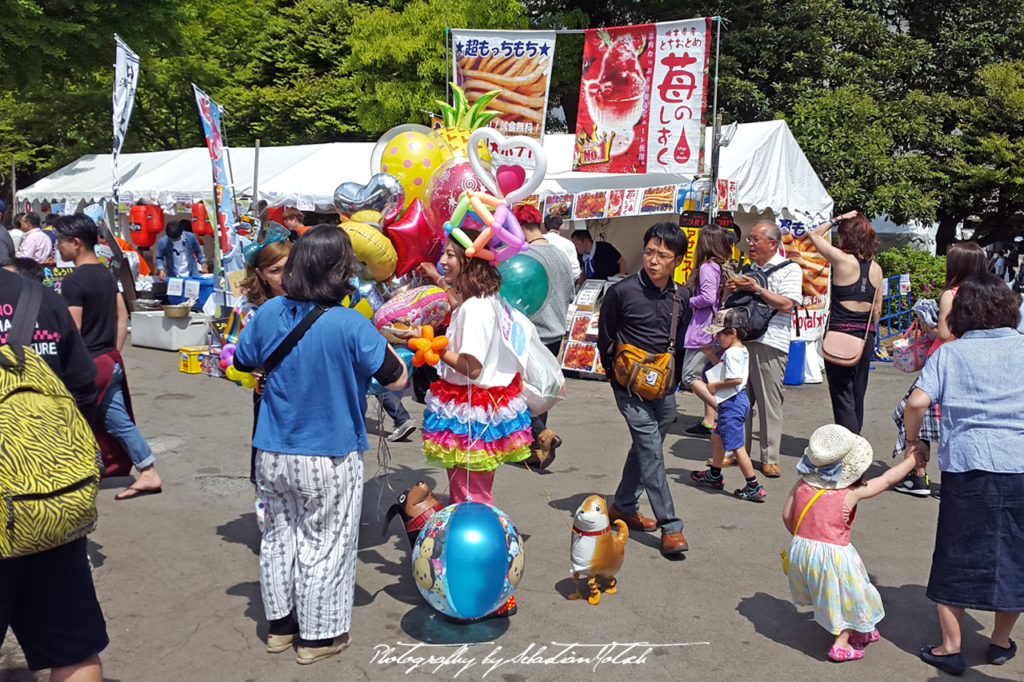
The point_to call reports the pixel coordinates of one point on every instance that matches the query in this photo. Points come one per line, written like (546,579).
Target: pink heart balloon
(510,178)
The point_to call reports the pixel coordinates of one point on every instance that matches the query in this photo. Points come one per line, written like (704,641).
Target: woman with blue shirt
(309,439)
(979,545)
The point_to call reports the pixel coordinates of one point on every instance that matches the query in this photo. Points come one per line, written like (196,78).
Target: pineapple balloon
(461,120)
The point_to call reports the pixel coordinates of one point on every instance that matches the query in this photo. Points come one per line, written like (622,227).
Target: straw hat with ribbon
(834,458)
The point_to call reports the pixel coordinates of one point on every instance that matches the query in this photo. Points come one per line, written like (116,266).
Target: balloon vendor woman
(475,419)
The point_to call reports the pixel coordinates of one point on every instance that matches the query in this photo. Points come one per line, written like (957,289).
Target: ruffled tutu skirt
(480,436)
(833,580)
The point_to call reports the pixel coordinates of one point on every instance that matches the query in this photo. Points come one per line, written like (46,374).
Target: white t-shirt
(565,246)
(474,331)
(736,361)
(788,282)
(179,259)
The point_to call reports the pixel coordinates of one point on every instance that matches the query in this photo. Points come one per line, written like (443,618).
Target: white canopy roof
(764,160)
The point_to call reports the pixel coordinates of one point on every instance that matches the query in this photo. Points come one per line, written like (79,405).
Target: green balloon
(524,283)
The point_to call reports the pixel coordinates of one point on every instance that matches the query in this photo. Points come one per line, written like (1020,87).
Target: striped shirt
(976,380)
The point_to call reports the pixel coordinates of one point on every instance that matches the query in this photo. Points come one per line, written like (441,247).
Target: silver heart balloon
(383,194)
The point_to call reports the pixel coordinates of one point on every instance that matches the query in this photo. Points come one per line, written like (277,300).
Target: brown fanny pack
(648,375)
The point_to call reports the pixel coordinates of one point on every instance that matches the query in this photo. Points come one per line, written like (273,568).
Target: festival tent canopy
(764,159)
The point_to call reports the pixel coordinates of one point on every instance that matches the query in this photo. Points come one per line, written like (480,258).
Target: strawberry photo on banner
(643,98)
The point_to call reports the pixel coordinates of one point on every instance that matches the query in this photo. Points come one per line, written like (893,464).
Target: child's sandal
(840,655)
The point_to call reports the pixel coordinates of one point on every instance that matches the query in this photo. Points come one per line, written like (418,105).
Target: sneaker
(699,430)
(757,494)
(914,485)
(401,431)
(308,654)
(705,478)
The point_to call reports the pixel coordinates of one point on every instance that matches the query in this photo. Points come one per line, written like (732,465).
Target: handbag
(648,375)
(844,349)
(784,553)
(912,349)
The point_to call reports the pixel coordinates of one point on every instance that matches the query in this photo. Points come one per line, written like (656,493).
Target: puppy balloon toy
(595,550)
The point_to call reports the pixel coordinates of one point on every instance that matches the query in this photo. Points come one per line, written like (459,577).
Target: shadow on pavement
(244,531)
(402,589)
(426,625)
(254,610)
(779,621)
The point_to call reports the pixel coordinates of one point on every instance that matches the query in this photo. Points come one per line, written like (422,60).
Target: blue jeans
(644,471)
(119,425)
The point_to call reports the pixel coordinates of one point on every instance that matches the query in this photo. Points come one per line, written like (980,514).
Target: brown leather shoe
(726,462)
(544,449)
(771,470)
(633,521)
(673,543)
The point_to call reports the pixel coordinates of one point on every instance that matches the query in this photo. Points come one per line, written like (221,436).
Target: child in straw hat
(824,569)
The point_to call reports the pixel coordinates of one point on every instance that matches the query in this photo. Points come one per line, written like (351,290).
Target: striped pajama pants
(310,538)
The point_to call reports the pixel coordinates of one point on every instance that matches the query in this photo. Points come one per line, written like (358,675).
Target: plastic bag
(543,383)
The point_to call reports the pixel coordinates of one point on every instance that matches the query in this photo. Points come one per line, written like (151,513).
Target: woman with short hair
(978,561)
(310,438)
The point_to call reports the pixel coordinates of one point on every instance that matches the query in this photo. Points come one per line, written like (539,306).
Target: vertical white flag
(126,78)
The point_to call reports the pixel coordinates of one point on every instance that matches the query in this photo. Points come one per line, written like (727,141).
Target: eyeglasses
(660,255)
(758,240)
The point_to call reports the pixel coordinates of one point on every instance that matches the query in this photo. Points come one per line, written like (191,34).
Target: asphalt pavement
(177,575)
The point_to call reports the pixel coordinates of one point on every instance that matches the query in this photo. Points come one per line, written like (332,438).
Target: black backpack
(758,313)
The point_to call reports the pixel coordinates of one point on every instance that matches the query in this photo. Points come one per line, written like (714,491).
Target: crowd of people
(724,334)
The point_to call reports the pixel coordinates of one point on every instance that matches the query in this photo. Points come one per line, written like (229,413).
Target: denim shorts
(978,561)
(732,413)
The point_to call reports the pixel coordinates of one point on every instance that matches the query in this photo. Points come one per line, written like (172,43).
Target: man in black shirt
(598,260)
(638,311)
(99,311)
(48,598)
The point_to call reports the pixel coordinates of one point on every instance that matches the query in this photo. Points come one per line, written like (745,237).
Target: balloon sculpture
(468,560)
(524,283)
(427,347)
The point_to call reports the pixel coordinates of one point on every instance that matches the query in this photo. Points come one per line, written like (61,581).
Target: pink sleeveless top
(828,520)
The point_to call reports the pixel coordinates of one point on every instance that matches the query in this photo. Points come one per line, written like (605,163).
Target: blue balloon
(477,562)
(468,560)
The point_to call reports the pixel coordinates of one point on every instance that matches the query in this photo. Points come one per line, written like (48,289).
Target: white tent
(764,160)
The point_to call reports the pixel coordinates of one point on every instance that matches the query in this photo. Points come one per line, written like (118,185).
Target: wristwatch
(759,290)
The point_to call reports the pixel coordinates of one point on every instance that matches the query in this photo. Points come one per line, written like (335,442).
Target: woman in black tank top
(855,279)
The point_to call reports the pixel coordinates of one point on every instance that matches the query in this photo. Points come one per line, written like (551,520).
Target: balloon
(422,306)
(468,560)
(453,143)
(427,347)
(446,185)
(382,142)
(248,380)
(233,374)
(524,283)
(530,185)
(405,355)
(383,194)
(510,178)
(412,157)
(413,239)
(372,249)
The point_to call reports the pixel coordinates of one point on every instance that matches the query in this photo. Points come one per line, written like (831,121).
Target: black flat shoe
(950,663)
(998,655)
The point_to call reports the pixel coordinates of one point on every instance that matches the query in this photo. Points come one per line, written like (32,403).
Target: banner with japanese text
(518,63)
(809,317)
(209,114)
(642,99)
(126,79)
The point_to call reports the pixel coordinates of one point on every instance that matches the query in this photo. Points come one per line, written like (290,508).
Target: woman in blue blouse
(979,544)
(309,439)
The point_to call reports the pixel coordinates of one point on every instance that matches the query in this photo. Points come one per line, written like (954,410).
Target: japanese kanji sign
(643,98)
(518,63)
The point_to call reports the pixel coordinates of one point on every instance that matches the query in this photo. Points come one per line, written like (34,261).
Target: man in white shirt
(553,224)
(769,353)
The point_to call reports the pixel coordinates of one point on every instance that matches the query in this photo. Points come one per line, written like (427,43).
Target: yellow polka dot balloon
(411,157)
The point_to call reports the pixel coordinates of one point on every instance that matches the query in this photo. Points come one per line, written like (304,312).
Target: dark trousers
(540,422)
(394,407)
(644,471)
(847,386)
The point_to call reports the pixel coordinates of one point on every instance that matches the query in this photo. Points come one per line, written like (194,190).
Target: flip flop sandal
(138,493)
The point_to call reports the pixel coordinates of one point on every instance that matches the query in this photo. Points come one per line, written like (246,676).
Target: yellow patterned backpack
(49,476)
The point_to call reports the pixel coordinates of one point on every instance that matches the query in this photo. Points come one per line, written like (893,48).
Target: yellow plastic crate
(190,362)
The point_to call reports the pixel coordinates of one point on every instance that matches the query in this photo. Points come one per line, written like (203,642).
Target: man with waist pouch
(638,311)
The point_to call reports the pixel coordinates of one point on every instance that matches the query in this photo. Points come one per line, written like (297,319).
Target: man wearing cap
(7,249)
(769,352)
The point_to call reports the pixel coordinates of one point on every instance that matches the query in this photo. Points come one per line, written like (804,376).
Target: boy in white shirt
(728,327)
